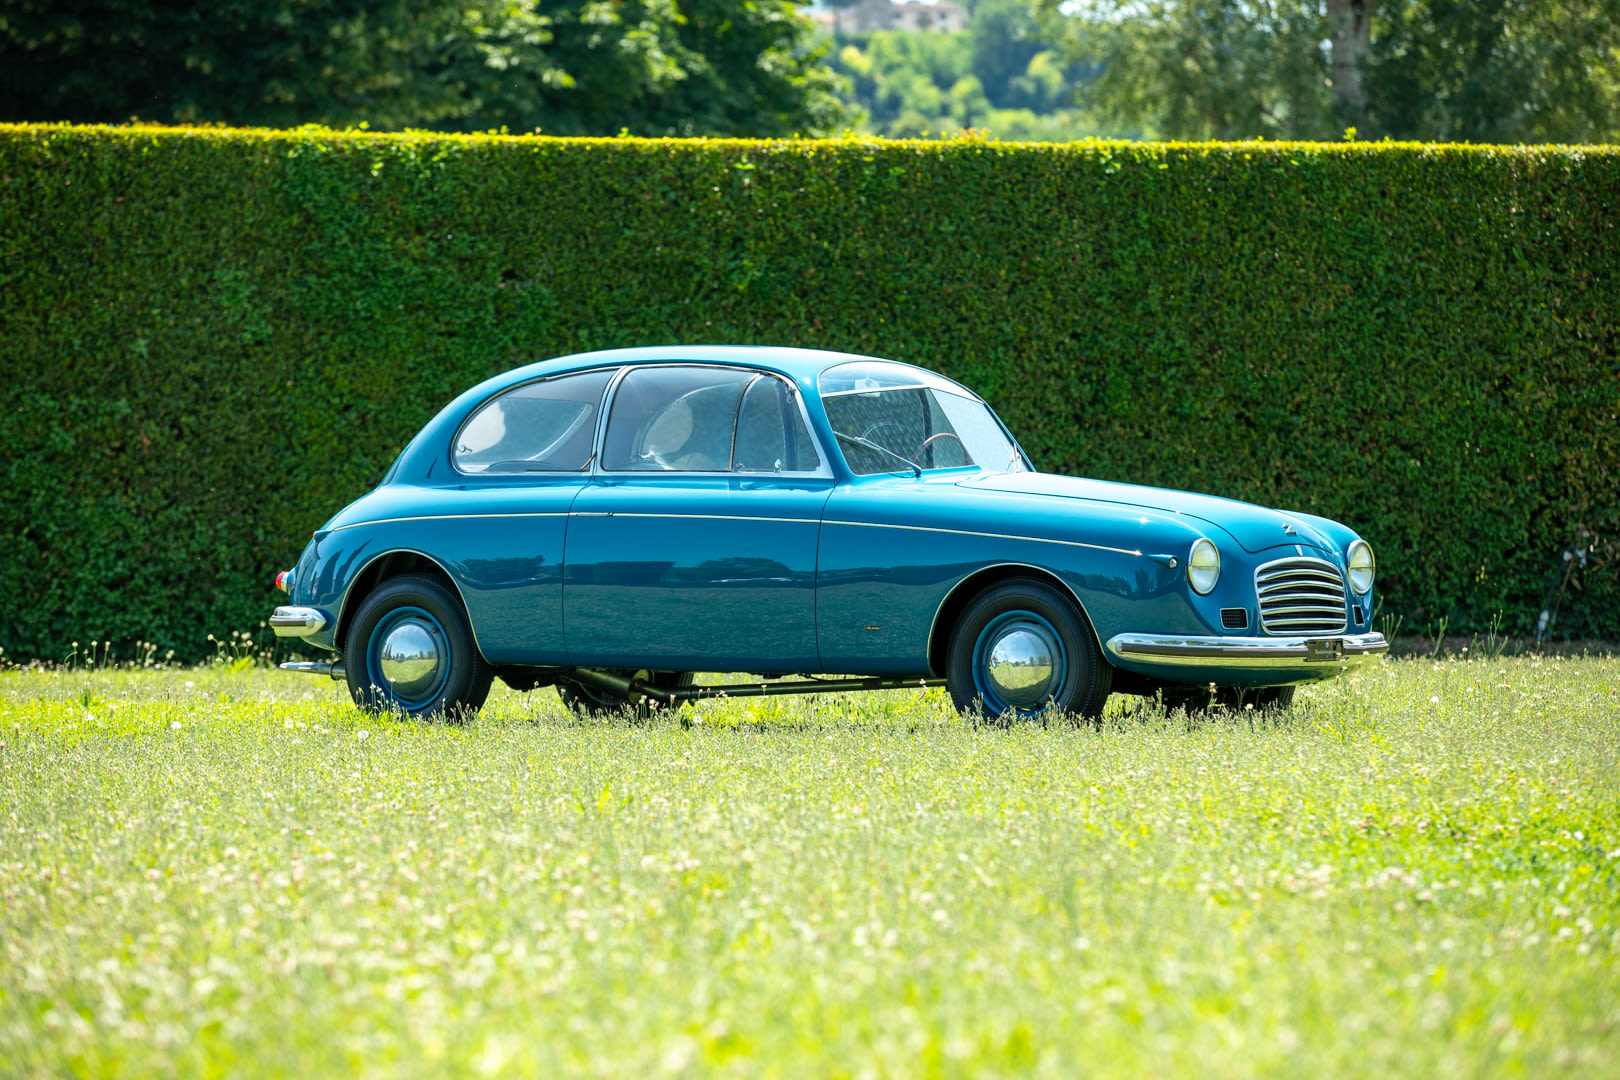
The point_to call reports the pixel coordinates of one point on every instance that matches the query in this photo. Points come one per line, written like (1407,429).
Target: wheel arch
(386,566)
(962,593)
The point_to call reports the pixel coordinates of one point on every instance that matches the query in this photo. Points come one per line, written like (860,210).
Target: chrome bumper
(297,621)
(1248,653)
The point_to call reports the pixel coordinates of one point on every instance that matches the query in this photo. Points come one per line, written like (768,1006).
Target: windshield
(891,418)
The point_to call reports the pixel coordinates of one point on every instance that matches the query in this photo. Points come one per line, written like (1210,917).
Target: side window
(771,436)
(547,426)
(674,419)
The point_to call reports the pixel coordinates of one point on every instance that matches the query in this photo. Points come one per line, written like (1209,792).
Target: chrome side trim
(297,621)
(986,535)
(742,517)
(1295,654)
(445,517)
(694,517)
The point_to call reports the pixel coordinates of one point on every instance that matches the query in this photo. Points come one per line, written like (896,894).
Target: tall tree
(691,67)
(1004,39)
(1204,69)
(1350,36)
(1484,70)
(1496,70)
(666,67)
(389,62)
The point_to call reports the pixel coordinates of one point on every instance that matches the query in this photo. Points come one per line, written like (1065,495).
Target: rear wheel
(1024,649)
(410,650)
(589,700)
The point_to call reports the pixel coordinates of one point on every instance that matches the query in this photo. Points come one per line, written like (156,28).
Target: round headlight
(1362,566)
(1203,566)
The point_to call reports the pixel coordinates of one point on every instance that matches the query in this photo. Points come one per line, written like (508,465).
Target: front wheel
(411,651)
(1024,649)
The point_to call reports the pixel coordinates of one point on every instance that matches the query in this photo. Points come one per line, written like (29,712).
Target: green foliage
(1482,70)
(654,67)
(211,340)
(662,67)
(1496,70)
(1416,873)
(234,61)
(1209,69)
(998,75)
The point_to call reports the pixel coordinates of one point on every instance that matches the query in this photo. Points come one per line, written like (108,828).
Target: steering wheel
(941,435)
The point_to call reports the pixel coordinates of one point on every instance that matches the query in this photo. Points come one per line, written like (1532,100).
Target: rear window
(546,426)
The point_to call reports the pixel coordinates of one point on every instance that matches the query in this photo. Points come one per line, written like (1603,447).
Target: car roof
(800,365)
(417,460)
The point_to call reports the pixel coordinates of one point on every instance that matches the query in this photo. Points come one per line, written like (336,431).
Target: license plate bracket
(1324,650)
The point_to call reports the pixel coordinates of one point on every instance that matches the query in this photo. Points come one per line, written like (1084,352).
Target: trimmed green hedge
(211,339)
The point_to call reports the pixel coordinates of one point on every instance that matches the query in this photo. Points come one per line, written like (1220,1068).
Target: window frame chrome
(925,380)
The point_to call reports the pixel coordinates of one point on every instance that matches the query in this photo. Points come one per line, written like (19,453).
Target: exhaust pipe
(631,688)
(334,668)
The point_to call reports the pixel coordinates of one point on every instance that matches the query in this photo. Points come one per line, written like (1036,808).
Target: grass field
(227,870)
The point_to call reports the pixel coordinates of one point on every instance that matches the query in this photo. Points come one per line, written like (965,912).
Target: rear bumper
(297,621)
(1309,657)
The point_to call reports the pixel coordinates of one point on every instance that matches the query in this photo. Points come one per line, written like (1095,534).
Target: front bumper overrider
(1309,657)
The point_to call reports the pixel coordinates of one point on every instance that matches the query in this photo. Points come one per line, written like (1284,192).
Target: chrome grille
(1300,596)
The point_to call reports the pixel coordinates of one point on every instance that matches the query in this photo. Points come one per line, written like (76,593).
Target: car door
(522,457)
(694,545)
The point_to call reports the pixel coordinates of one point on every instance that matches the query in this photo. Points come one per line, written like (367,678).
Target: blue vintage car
(611,522)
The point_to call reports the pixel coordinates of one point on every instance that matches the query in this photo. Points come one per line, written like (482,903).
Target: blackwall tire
(411,651)
(1023,649)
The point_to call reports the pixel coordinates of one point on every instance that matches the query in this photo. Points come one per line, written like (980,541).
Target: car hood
(1255,528)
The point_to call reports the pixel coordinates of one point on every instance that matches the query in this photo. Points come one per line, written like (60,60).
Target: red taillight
(284,581)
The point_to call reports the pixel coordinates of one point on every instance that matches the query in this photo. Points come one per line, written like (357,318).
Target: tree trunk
(1350,34)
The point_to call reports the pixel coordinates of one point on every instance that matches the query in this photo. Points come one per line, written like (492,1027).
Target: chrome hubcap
(410,659)
(1020,666)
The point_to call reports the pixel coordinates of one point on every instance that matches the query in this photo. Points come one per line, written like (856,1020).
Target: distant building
(870,15)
